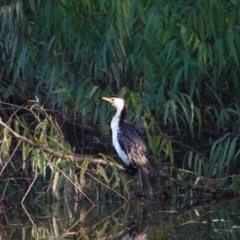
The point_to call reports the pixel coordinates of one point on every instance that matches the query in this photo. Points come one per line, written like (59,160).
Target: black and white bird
(129,144)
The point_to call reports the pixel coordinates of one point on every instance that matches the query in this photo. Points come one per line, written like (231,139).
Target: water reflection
(135,220)
(138,231)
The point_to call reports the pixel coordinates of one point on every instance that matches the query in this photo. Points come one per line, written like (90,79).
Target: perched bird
(129,144)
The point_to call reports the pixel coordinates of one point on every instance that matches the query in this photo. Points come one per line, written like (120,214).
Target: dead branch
(79,158)
(73,156)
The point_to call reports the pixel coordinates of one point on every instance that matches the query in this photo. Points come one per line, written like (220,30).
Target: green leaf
(95,88)
(59,90)
(50,43)
(231,150)
(102,172)
(190,156)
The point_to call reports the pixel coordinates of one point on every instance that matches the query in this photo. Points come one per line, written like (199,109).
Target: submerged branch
(203,189)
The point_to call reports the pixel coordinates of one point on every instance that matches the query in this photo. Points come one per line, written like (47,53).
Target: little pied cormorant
(129,144)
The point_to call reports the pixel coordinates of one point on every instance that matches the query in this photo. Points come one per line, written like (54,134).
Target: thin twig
(214,94)
(204,189)
(64,174)
(29,216)
(29,187)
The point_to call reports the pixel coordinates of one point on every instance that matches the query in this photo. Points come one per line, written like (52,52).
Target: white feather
(119,104)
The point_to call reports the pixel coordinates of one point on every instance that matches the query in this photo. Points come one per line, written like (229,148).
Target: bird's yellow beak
(108,99)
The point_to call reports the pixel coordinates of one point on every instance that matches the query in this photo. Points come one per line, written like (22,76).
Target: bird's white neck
(115,121)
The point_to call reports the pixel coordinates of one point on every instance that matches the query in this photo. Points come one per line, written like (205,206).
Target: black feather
(133,145)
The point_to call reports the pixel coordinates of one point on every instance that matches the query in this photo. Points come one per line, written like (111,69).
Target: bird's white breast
(121,153)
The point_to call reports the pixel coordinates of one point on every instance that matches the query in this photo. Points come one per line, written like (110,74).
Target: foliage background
(175,62)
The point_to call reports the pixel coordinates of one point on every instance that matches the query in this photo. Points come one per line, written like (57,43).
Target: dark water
(177,219)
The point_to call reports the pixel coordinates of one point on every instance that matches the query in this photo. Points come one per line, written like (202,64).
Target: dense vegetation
(175,62)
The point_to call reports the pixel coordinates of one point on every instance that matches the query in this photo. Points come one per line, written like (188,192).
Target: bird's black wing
(132,143)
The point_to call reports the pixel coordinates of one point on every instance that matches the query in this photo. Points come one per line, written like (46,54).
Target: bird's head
(116,101)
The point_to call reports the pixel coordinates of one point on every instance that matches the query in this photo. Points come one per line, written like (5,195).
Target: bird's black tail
(145,183)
